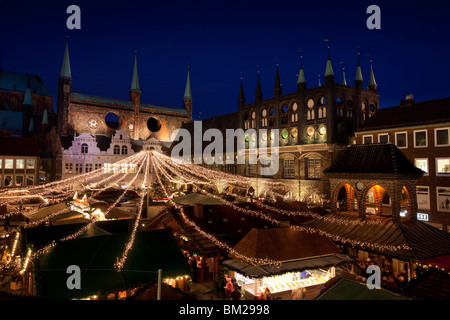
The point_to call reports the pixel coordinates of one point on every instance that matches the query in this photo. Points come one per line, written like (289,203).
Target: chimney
(198,210)
(409,100)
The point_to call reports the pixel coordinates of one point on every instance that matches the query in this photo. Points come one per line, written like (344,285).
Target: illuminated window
(443,167)
(443,199)
(30,163)
(288,168)
(20,163)
(313,168)
(78,167)
(88,167)
(422,164)
(423,197)
(1,162)
(68,167)
(9,164)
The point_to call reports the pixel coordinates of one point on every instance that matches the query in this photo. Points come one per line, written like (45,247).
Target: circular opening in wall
(153,124)
(112,120)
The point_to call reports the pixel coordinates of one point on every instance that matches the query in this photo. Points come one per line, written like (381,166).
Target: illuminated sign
(422,216)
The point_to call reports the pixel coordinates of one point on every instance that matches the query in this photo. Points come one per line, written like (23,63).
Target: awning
(440,262)
(253,271)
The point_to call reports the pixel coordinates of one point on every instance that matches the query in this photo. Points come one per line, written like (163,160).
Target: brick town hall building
(94,131)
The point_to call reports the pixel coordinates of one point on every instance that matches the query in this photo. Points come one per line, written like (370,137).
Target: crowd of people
(389,278)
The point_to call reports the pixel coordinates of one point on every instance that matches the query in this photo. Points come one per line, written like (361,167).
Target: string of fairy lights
(187,178)
(121,261)
(74,235)
(310,229)
(64,195)
(179,172)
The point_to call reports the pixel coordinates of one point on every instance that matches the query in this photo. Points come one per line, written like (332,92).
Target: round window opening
(112,120)
(153,125)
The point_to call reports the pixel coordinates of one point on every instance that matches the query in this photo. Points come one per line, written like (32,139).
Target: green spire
(301,74)
(329,68)
(358,76)
(27,100)
(372,82)
(45,117)
(344,81)
(135,78)
(187,90)
(65,68)
(31,127)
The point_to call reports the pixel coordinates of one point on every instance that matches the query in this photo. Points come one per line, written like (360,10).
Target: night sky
(222,39)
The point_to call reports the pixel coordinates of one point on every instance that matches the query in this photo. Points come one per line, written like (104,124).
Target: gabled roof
(418,113)
(346,289)
(18,82)
(406,240)
(283,244)
(380,158)
(430,284)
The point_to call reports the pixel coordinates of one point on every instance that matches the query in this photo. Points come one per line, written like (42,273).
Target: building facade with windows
(94,131)
(311,126)
(314,125)
(421,130)
(20,163)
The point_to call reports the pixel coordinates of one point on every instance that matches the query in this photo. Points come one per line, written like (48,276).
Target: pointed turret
(344,80)
(301,75)
(372,83)
(187,90)
(329,68)
(187,99)
(258,93)
(135,79)
(31,126)
(135,90)
(65,67)
(319,84)
(45,118)
(241,98)
(27,108)
(277,88)
(64,91)
(358,76)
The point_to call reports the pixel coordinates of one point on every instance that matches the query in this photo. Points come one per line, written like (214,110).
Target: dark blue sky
(221,39)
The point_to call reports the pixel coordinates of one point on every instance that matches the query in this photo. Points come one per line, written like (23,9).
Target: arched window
(264,118)
(116,149)
(84,148)
(124,150)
